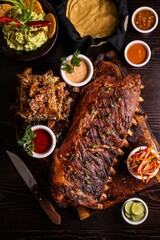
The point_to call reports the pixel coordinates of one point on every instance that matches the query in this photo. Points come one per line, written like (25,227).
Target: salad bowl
(24,56)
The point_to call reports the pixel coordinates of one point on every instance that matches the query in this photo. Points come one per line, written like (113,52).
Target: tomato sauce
(42,141)
(144,19)
(137,53)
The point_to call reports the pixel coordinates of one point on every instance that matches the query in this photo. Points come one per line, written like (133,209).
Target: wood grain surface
(20,215)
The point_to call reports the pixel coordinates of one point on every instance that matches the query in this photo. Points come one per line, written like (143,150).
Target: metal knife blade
(33,186)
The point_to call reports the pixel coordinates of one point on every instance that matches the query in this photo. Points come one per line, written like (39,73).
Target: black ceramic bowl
(31,55)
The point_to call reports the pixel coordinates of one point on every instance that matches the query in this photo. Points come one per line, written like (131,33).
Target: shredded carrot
(144,163)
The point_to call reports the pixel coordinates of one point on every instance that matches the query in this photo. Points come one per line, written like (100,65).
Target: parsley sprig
(75,61)
(68,66)
(27,140)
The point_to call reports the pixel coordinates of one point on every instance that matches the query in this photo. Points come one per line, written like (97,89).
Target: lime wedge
(137,208)
(137,217)
(128,206)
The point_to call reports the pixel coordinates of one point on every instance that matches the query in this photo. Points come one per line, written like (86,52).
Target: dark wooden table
(20,215)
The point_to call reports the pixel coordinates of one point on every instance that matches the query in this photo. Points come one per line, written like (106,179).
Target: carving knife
(33,186)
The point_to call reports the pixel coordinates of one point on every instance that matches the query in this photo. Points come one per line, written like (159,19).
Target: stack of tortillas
(97,18)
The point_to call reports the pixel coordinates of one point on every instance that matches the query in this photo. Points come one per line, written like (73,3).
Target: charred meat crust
(83,164)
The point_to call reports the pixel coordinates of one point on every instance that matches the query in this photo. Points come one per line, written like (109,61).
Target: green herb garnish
(69,66)
(88,182)
(92,111)
(112,105)
(27,140)
(108,89)
(107,132)
(86,134)
(119,99)
(71,156)
(75,59)
(94,146)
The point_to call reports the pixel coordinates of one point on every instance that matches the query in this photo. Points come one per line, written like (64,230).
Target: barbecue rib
(82,166)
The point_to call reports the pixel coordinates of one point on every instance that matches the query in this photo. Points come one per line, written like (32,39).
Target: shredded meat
(42,97)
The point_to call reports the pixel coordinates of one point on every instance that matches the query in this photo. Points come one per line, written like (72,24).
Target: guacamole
(25,38)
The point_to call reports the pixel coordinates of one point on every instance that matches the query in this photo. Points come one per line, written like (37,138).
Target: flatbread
(97,18)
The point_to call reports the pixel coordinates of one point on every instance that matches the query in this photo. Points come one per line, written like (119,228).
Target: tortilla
(97,18)
(5,8)
(37,7)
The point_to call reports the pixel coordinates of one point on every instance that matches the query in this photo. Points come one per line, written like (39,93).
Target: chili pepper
(7,20)
(39,23)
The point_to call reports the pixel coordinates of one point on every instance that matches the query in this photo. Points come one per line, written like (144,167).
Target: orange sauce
(137,53)
(144,19)
(79,73)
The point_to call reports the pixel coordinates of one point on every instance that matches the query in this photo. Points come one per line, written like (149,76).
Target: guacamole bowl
(24,56)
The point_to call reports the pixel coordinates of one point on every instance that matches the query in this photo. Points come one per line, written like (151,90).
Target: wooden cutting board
(123,184)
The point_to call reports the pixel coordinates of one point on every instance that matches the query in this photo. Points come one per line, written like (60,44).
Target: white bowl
(131,153)
(130,220)
(89,75)
(52,145)
(144,45)
(137,11)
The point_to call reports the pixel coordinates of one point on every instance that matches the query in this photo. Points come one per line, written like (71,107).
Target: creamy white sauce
(79,73)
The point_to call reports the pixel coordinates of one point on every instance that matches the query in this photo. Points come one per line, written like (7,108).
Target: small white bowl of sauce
(144,19)
(137,53)
(81,74)
(44,141)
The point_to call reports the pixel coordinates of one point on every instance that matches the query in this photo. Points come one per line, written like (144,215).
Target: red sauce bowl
(144,19)
(45,141)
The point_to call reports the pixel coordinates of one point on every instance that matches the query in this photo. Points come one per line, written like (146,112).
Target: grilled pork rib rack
(84,163)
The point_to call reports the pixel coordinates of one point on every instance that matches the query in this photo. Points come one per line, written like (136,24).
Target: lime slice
(128,206)
(127,215)
(137,217)
(137,208)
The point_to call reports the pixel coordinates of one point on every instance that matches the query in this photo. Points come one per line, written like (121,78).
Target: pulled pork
(42,97)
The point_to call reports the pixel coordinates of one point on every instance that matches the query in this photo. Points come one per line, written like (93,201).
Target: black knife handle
(46,205)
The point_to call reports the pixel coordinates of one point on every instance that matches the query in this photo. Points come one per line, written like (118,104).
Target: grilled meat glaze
(82,166)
